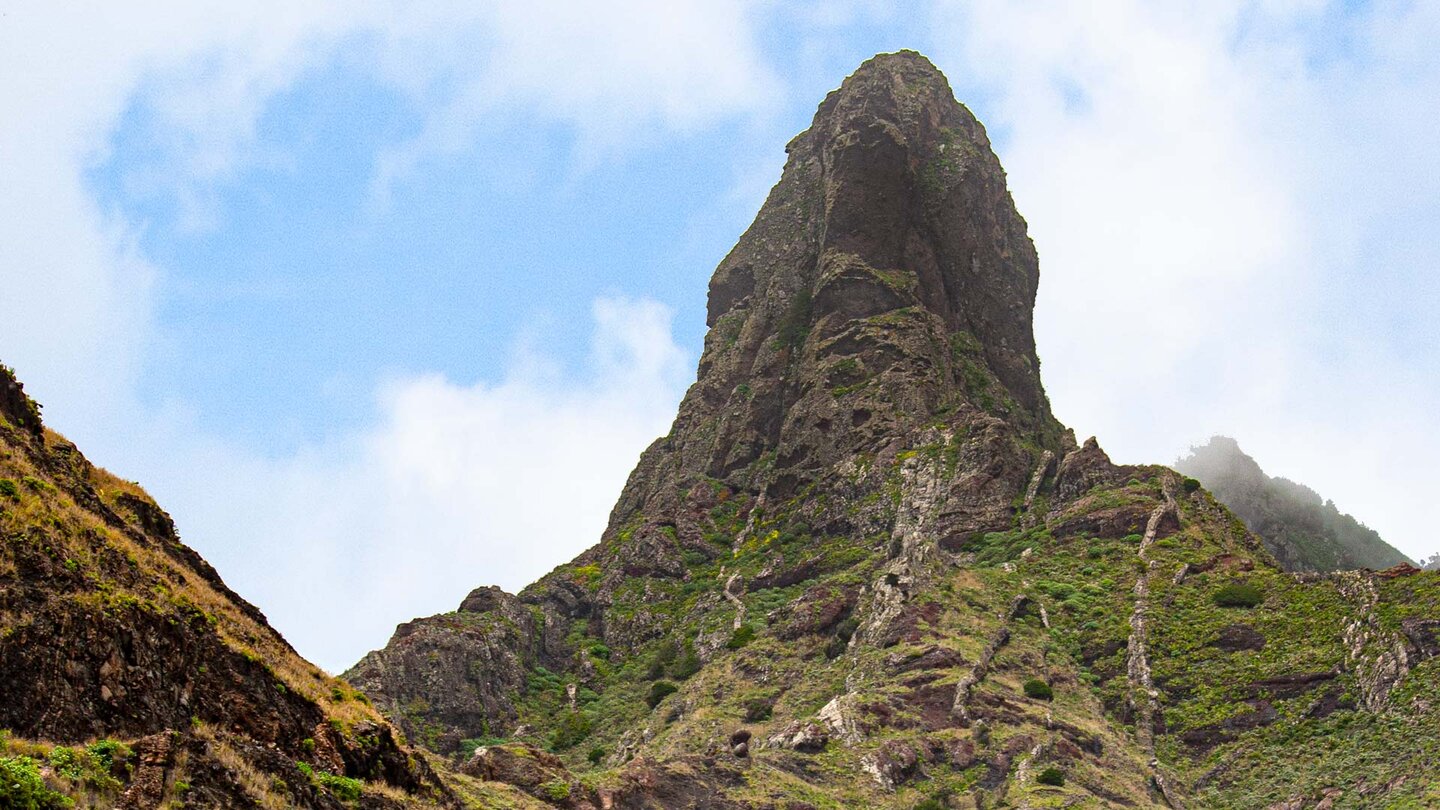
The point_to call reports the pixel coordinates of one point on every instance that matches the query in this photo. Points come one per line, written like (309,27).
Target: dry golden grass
(400,798)
(257,786)
(478,795)
(177,782)
(20,747)
(83,792)
(86,544)
(108,484)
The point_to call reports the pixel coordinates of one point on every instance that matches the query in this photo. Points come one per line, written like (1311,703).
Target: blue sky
(295,263)
(383,304)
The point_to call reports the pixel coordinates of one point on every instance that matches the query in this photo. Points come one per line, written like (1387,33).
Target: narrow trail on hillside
(1024,773)
(1143,697)
(735,600)
(998,640)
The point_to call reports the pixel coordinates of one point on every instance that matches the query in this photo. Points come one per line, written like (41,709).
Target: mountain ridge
(867,566)
(1302,530)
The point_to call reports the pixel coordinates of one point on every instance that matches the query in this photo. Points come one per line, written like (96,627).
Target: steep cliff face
(880,302)
(886,283)
(1303,531)
(867,567)
(462,674)
(112,629)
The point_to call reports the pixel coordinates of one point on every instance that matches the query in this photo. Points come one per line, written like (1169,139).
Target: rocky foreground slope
(867,566)
(1302,530)
(131,676)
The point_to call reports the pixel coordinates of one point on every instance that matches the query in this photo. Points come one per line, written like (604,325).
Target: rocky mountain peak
(870,369)
(890,164)
(867,564)
(886,283)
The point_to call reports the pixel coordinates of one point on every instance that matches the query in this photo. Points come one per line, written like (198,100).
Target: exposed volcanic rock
(458,674)
(534,771)
(887,279)
(16,408)
(840,337)
(110,627)
(880,302)
(868,566)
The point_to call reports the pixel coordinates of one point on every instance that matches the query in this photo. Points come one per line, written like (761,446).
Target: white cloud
(615,72)
(455,486)
(1213,189)
(77,312)
(206,74)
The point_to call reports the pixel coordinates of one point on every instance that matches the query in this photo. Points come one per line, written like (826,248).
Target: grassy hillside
(128,668)
(1131,623)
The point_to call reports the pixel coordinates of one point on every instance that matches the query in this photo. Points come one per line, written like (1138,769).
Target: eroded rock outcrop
(867,562)
(452,677)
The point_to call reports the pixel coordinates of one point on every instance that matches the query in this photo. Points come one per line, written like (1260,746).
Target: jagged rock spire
(896,176)
(886,283)
(866,534)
